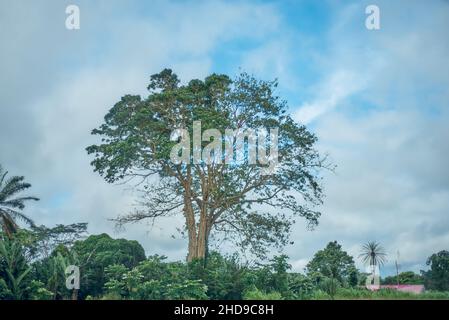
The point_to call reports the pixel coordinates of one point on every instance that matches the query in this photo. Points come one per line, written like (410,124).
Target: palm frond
(16,215)
(17,202)
(8,224)
(373,254)
(2,176)
(8,204)
(12,186)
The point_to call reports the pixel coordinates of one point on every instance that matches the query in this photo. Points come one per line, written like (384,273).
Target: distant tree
(235,201)
(300,285)
(273,276)
(406,277)
(373,254)
(437,278)
(10,205)
(41,240)
(280,268)
(97,252)
(335,263)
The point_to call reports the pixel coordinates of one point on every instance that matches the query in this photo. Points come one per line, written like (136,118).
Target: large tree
(237,200)
(406,277)
(335,263)
(11,204)
(437,278)
(97,252)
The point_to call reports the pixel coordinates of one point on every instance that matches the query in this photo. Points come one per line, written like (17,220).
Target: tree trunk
(191,227)
(203,235)
(75,294)
(198,235)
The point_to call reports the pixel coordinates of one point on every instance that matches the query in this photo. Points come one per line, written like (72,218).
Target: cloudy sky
(377,99)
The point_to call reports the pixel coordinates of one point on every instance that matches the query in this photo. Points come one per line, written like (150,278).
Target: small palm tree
(373,254)
(10,205)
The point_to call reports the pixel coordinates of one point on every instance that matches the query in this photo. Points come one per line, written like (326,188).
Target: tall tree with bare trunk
(236,201)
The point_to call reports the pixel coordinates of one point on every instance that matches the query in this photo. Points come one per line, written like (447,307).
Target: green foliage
(300,286)
(135,143)
(115,272)
(373,254)
(14,269)
(153,279)
(16,278)
(437,278)
(361,278)
(387,294)
(10,205)
(334,263)
(407,277)
(100,251)
(274,276)
(39,292)
(43,240)
(330,286)
(224,277)
(217,277)
(256,294)
(33,263)
(187,289)
(58,263)
(5,292)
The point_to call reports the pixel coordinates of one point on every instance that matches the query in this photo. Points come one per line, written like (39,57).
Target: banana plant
(15,268)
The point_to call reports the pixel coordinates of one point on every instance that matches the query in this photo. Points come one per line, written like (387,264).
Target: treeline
(33,264)
(34,261)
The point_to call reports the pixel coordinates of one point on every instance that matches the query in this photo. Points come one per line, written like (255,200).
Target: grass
(383,294)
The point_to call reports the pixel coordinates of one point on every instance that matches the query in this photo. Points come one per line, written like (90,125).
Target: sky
(378,100)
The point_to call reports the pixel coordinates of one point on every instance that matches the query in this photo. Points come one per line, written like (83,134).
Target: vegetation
(10,205)
(407,277)
(118,269)
(373,254)
(332,263)
(437,278)
(236,200)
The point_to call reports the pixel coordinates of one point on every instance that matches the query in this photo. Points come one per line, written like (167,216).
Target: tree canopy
(335,263)
(437,278)
(97,252)
(238,200)
(406,277)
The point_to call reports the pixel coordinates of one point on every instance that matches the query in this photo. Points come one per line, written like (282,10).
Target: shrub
(256,294)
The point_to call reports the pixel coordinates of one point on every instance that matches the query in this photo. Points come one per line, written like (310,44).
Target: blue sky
(377,100)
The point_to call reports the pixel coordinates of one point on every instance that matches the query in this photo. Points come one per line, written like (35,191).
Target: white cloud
(381,111)
(330,94)
(380,108)
(45,127)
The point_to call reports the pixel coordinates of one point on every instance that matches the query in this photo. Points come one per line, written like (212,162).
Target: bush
(256,294)
(152,279)
(39,292)
(224,277)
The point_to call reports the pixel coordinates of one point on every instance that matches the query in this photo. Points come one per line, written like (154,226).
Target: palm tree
(10,205)
(374,255)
